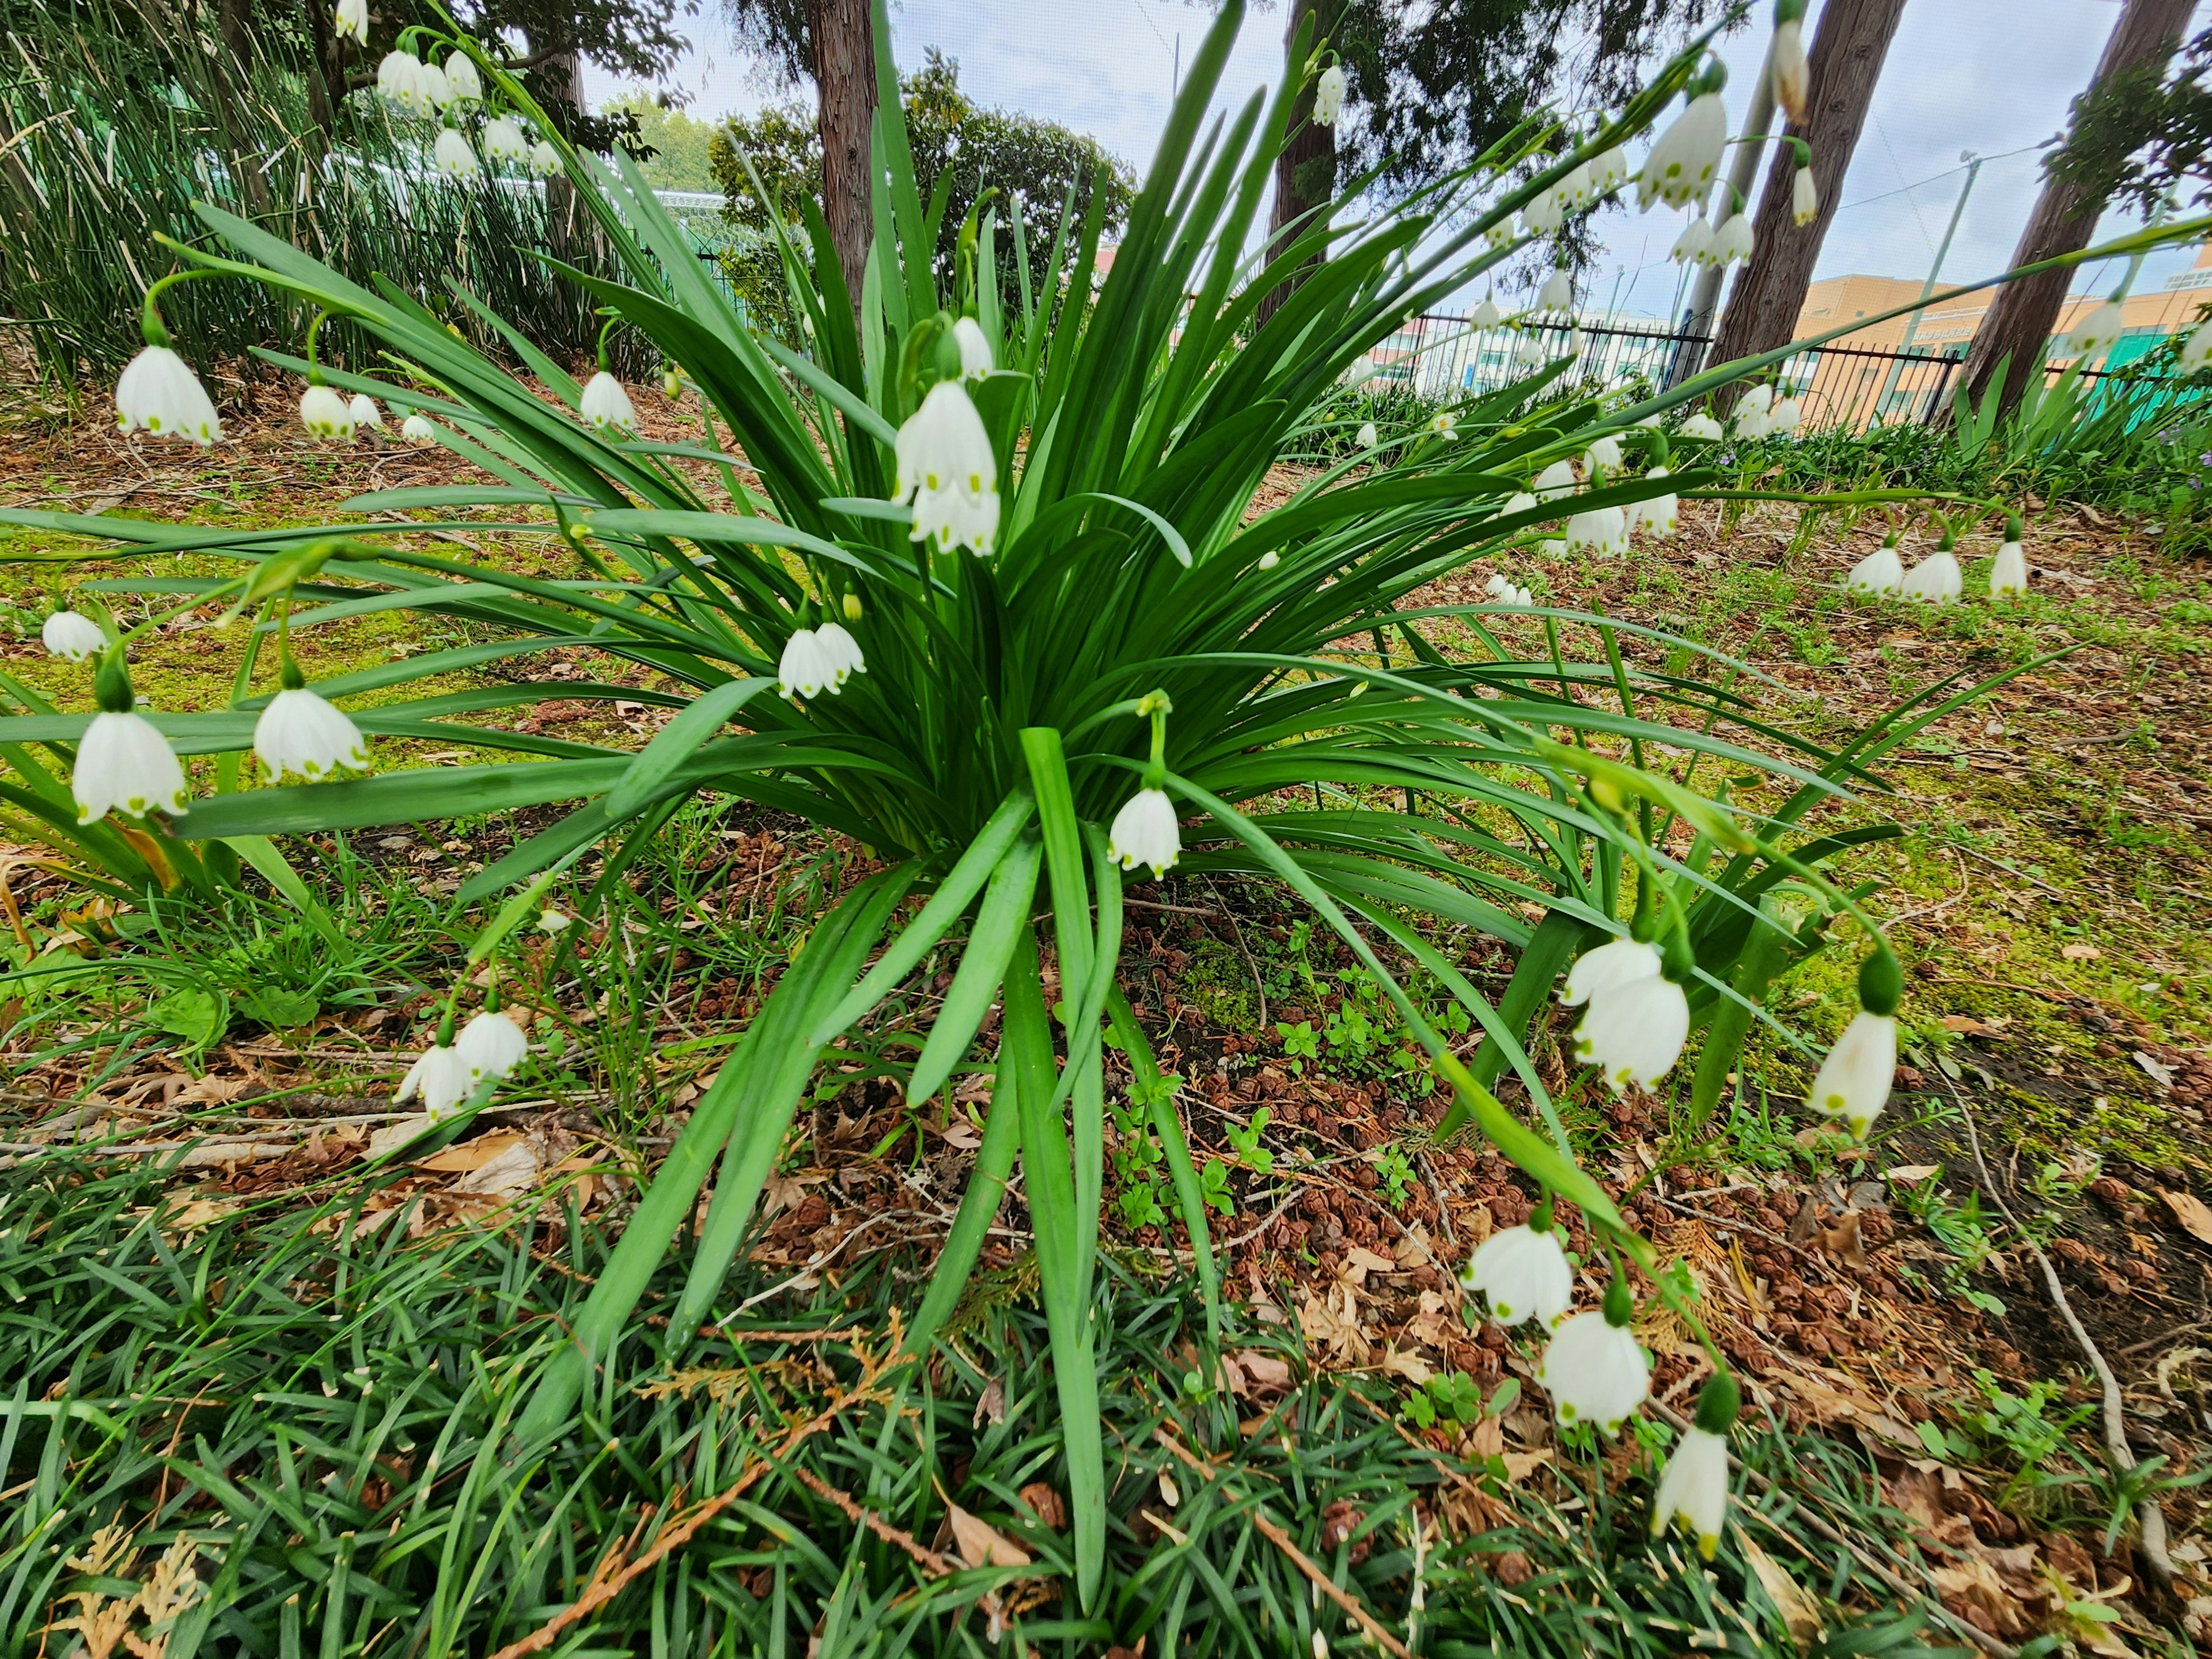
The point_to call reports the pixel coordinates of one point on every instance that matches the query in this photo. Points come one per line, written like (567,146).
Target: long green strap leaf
(985,1191)
(1000,923)
(702,718)
(1190,1199)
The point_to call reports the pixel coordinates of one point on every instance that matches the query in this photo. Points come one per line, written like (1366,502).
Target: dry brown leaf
(397,1133)
(980,1544)
(1799,1616)
(2192,1212)
(2077,953)
(1332,1324)
(513,1171)
(1906,1174)
(210,1154)
(200,1211)
(470,1155)
(1519,1466)
(1267,1373)
(210,1091)
(1843,1240)
(1359,1262)
(1973,1586)
(1411,1366)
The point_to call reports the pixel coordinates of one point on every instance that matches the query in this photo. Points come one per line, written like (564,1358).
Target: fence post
(1936,397)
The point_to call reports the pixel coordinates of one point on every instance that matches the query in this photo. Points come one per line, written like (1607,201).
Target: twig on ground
(2149,1514)
(1298,1558)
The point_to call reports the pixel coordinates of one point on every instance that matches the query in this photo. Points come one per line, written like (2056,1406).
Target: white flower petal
(301,731)
(159,393)
(606,406)
(73,636)
(946,469)
(1693,1489)
(125,764)
(1145,832)
(492,1045)
(1594,1372)
(1854,1081)
(1525,1275)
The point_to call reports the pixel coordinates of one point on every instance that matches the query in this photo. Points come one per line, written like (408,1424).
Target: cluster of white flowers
(815,658)
(947,470)
(448,94)
(1501,588)
(1937,579)
(450,1071)
(1329,89)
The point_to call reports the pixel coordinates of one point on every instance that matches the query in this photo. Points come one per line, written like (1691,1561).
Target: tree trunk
(2019,322)
(569,230)
(326,70)
(845,86)
(1305,172)
(1848,49)
(232,69)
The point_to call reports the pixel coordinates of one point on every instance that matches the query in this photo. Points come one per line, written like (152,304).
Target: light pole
(1935,273)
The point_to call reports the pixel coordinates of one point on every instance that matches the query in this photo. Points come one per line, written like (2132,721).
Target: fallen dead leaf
(2192,1212)
(1265,1372)
(1973,1591)
(980,1544)
(1967,1025)
(1411,1366)
(514,1170)
(200,1211)
(1906,1174)
(1519,1466)
(397,1133)
(2156,1070)
(209,1154)
(1050,1507)
(1799,1616)
(210,1091)
(2077,953)
(470,1155)
(1359,1262)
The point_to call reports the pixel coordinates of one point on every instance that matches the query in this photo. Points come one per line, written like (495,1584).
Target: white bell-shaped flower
(365,412)
(1145,832)
(1486,315)
(1575,186)
(1528,352)
(1554,481)
(1366,437)
(1609,172)
(399,80)
(1617,961)
(1603,454)
(1703,426)
(545,160)
(2098,333)
(1603,530)
(301,731)
(462,80)
(605,406)
(452,157)
(1936,579)
(324,412)
(1658,514)
(418,430)
(1854,1080)
(1760,398)
(2008,574)
(1687,155)
(351,21)
(73,636)
(1557,293)
(440,1080)
(1329,89)
(159,393)
(1793,73)
(1553,549)
(2196,349)
(809,665)
(125,764)
(503,140)
(1881,572)
(1693,1489)
(1524,1275)
(1445,424)
(1500,234)
(553,921)
(1520,501)
(434,90)
(1804,197)
(1595,1372)
(1695,244)
(1782,419)
(1636,1020)
(842,650)
(975,358)
(1542,215)
(492,1045)
(946,469)
(1732,241)
(1361,371)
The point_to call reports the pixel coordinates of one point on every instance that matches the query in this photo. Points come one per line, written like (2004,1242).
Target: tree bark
(570,232)
(1848,49)
(232,69)
(1305,171)
(2019,324)
(844,40)
(326,70)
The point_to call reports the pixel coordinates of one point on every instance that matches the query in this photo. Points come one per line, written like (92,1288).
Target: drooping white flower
(301,731)
(1693,1489)
(399,79)
(545,160)
(1528,352)
(1609,172)
(440,1080)
(418,430)
(1328,95)
(1793,74)
(1553,549)
(1500,234)
(1804,197)
(159,393)
(1603,454)
(1637,1021)
(72,635)
(1749,423)
(324,412)
(1145,832)
(2009,573)
(1524,1274)
(434,90)
(1880,572)
(503,140)
(2097,333)
(1576,185)
(946,469)
(841,648)
(552,921)
(1782,419)
(975,358)
(1657,513)
(1270,559)
(462,79)
(1445,424)
(1554,481)
(1486,315)
(1617,961)
(2196,349)
(1732,241)
(1574,341)
(1542,215)
(1595,1372)
(814,659)
(452,157)
(123,764)
(1603,530)
(1361,371)
(1520,501)
(1557,293)
(606,406)
(365,412)
(1687,155)
(1936,579)
(1854,1080)
(492,1045)
(1366,437)
(1757,401)
(1695,243)
(352,20)
(1702,425)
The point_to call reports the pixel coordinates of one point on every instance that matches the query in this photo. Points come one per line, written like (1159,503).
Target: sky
(1992,75)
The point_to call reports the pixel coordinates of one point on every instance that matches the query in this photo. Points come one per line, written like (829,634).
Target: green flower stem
(150,315)
(314,363)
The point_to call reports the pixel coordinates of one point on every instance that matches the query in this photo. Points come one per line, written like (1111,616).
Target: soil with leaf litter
(1873,1295)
